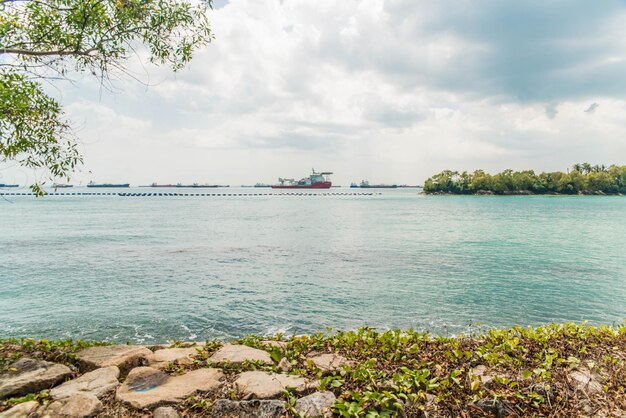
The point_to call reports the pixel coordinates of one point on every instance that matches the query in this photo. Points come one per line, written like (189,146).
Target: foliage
(414,374)
(33,130)
(48,40)
(411,373)
(30,397)
(582,179)
(59,351)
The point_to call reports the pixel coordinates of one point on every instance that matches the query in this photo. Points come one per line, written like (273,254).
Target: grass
(527,371)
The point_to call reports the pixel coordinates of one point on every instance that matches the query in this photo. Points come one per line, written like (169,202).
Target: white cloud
(391,90)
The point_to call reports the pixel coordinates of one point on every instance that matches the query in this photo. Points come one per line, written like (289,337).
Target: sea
(151,269)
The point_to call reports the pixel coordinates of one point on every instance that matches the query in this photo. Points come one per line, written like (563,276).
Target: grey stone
(146,387)
(31,376)
(431,404)
(183,356)
(284,365)
(329,362)
(225,408)
(499,408)
(125,357)
(585,381)
(79,405)
(22,410)
(165,412)
(316,405)
(263,385)
(232,353)
(98,383)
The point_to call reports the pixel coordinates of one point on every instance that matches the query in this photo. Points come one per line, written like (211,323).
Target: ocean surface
(152,269)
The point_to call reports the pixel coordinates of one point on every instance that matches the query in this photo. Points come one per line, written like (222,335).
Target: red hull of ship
(321,185)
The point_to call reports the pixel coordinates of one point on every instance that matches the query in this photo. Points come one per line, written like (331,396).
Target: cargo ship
(62,186)
(107,185)
(366,185)
(9,185)
(202,186)
(162,185)
(314,181)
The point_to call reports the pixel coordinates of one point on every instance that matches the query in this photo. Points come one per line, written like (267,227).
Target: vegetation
(582,179)
(45,41)
(525,372)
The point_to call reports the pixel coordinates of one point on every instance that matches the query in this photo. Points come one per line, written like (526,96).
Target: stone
(263,385)
(30,376)
(224,408)
(329,362)
(232,353)
(316,405)
(284,365)
(481,372)
(499,408)
(125,357)
(79,405)
(274,343)
(98,383)
(165,412)
(431,402)
(182,356)
(22,410)
(584,381)
(146,387)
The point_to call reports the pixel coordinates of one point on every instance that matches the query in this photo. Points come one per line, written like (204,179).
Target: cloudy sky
(385,90)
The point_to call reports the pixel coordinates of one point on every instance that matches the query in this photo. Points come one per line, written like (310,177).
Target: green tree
(618,175)
(525,180)
(601,181)
(586,168)
(572,183)
(51,39)
(481,181)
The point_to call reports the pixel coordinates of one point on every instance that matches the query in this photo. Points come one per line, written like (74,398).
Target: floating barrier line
(123,194)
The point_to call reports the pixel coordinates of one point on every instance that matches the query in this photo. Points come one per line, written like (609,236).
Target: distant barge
(366,185)
(107,185)
(202,186)
(195,185)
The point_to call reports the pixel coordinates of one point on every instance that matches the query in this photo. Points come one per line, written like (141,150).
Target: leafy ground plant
(517,372)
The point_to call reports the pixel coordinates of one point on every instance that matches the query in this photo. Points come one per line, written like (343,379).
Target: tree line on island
(583,178)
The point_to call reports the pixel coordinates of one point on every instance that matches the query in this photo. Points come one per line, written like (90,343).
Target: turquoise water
(152,269)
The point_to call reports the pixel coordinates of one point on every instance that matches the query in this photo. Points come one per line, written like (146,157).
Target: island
(582,179)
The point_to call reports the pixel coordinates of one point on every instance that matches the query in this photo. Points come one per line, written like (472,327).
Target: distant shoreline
(583,179)
(520,193)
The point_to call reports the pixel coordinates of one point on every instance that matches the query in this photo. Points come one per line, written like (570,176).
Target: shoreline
(558,370)
(523,193)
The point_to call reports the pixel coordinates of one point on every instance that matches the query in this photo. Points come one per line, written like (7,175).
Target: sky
(391,91)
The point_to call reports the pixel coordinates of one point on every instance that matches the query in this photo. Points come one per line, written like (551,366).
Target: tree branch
(46,53)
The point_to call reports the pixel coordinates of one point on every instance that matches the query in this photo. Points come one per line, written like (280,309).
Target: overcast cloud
(386,90)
